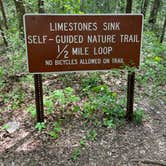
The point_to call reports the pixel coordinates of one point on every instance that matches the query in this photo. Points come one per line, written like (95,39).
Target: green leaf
(109,123)
(32,111)
(69,90)
(75,154)
(40,126)
(58,94)
(57,127)
(157,58)
(5,127)
(82,142)
(54,134)
(92,135)
(138,116)
(76,108)
(49,106)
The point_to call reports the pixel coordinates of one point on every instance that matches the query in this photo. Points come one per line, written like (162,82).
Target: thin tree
(20,8)
(41,6)
(154,11)
(144,7)
(163,31)
(129,6)
(3,14)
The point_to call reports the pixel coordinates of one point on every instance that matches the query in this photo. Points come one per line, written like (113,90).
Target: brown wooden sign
(61,43)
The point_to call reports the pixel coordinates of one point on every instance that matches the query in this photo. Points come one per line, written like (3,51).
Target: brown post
(130,95)
(39,97)
(130,79)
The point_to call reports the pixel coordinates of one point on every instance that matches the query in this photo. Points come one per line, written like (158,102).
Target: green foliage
(76,154)
(138,116)
(108,122)
(5,127)
(57,127)
(90,81)
(65,96)
(18,96)
(31,6)
(1,72)
(152,71)
(32,110)
(67,79)
(54,134)
(40,126)
(92,135)
(66,100)
(88,109)
(151,45)
(65,6)
(1,77)
(102,99)
(83,142)
(14,99)
(56,130)
(49,105)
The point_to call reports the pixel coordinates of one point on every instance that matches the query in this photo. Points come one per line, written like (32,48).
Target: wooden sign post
(39,97)
(68,43)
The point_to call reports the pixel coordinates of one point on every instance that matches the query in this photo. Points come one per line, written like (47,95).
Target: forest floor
(126,145)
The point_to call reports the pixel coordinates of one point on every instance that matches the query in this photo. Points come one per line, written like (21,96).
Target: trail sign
(61,43)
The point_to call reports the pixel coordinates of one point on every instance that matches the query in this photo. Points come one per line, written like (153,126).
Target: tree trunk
(3,14)
(41,6)
(129,6)
(154,11)
(3,36)
(144,7)
(163,31)
(20,8)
